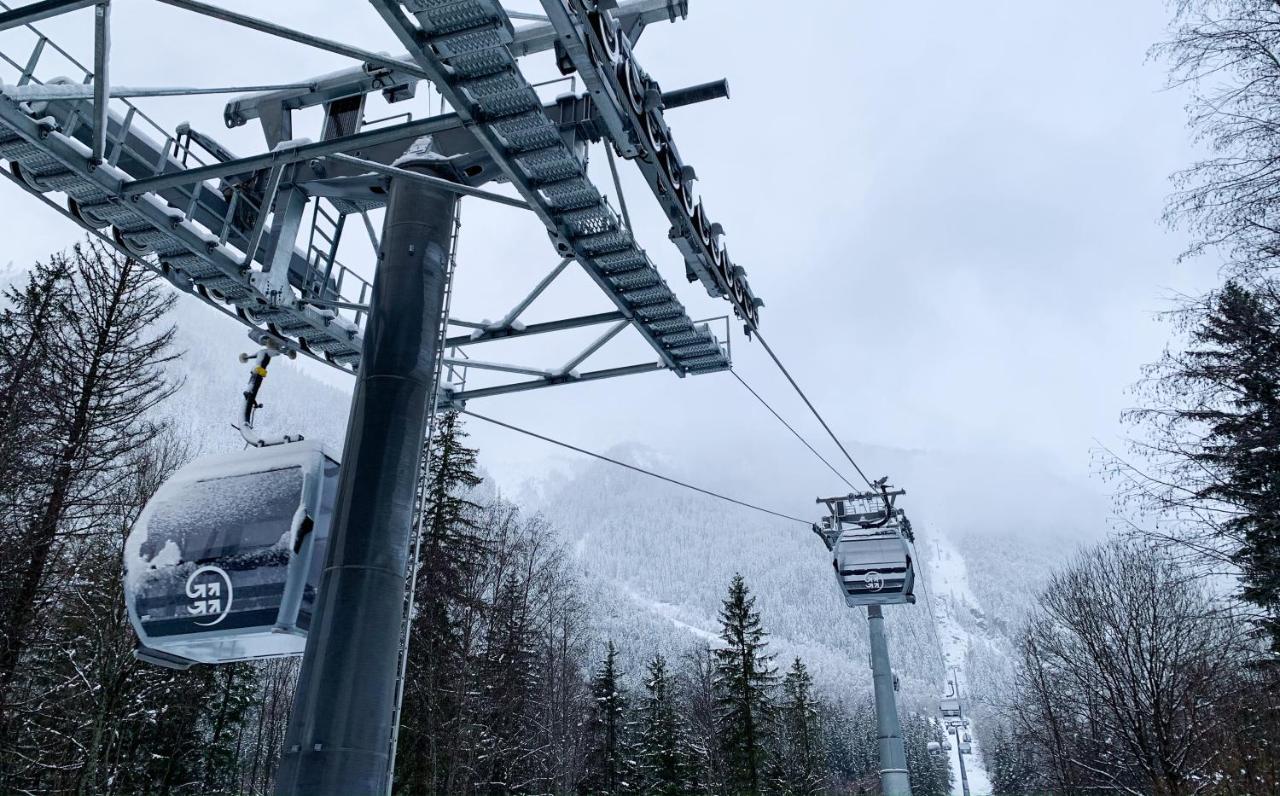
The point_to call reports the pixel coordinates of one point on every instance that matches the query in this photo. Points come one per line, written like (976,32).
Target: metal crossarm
(508,332)
(36,12)
(458,400)
(291,152)
(464,49)
(236,232)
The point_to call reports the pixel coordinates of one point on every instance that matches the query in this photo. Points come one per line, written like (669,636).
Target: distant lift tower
(953,715)
(872,554)
(258,237)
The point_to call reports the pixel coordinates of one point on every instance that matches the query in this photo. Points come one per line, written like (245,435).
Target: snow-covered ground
(950,593)
(671,613)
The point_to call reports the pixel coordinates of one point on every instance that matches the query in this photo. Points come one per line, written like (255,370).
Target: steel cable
(642,470)
(792,430)
(812,408)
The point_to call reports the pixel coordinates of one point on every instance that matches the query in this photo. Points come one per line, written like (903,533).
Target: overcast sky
(952,212)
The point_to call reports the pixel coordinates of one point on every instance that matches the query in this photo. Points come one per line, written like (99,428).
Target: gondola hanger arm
(257,375)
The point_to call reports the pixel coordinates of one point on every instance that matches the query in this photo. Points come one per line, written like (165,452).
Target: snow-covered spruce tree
(608,766)
(517,635)
(525,689)
(565,694)
(744,682)
(1209,418)
(98,374)
(664,755)
(451,550)
(1251,731)
(700,714)
(508,679)
(266,725)
(1012,765)
(930,776)
(849,738)
(1211,441)
(181,732)
(222,724)
(799,761)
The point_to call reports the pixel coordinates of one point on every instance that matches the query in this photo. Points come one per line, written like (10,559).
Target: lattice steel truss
(258,236)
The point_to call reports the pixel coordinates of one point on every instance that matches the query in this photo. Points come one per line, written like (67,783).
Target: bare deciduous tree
(1227,52)
(1128,675)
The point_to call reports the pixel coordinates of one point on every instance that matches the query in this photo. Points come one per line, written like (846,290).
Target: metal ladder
(323,254)
(420,504)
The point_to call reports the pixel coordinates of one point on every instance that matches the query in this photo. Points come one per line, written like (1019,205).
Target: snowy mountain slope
(953,599)
(659,560)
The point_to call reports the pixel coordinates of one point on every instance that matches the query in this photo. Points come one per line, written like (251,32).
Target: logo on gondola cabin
(209,588)
(874,581)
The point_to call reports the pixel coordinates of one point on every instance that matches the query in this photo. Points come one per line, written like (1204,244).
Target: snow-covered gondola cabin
(949,707)
(874,566)
(224,562)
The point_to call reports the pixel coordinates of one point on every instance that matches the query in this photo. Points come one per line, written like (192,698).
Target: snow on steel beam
(395,85)
(511,332)
(36,92)
(293,152)
(449,185)
(458,399)
(510,318)
(34,12)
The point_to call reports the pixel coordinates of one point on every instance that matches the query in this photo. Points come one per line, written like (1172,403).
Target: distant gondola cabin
(224,562)
(950,707)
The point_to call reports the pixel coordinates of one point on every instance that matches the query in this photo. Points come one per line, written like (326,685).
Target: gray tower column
(339,735)
(964,775)
(894,779)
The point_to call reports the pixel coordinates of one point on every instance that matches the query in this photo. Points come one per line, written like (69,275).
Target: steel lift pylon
(858,531)
(258,237)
